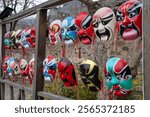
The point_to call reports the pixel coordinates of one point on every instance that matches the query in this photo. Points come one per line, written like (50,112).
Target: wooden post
(38,81)
(22,95)
(2,54)
(146,48)
(11,92)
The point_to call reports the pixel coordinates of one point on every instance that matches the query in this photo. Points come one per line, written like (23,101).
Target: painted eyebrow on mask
(110,16)
(135,6)
(86,20)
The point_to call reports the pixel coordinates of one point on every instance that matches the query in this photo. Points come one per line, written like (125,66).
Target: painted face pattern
(90,75)
(67,72)
(18,39)
(49,68)
(5,65)
(10,66)
(129,19)
(85,29)
(104,22)
(55,32)
(118,76)
(24,66)
(14,44)
(68,31)
(31,68)
(7,40)
(28,37)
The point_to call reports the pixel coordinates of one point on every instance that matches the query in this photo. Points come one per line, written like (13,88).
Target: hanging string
(63,50)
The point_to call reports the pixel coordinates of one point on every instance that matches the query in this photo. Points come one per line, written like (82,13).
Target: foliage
(82,93)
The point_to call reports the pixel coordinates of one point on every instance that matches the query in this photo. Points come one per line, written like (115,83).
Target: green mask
(118,76)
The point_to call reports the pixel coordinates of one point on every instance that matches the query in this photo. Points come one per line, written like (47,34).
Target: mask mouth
(85,39)
(129,32)
(68,41)
(48,77)
(103,35)
(118,90)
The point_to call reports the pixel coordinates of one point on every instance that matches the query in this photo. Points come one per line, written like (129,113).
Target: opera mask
(13,40)
(10,66)
(49,68)
(68,31)
(6,63)
(67,72)
(85,30)
(89,72)
(28,37)
(23,64)
(7,40)
(104,22)
(118,76)
(18,38)
(129,19)
(55,32)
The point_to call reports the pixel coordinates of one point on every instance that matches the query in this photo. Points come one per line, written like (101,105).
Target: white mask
(104,22)
(55,32)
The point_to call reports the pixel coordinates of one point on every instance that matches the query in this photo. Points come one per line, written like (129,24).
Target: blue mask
(68,31)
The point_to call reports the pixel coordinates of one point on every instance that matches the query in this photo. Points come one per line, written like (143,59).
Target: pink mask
(55,32)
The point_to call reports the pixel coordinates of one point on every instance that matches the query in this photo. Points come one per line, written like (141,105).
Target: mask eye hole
(77,29)
(126,77)
(95,24)
(72,28)
(132,14)
(119,16)
(108,78)
(106,22)
(6,63)
(28,35)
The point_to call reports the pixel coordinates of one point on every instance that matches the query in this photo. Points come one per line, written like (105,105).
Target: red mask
(129,19)
(67,72)
(85,30)
(28,37)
